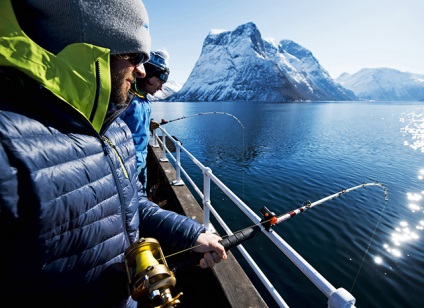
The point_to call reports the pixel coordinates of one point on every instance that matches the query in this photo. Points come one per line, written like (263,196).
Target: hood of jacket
(78,75)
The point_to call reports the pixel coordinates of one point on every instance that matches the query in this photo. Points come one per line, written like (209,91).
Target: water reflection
(414,129)
(414,198)
(404,233)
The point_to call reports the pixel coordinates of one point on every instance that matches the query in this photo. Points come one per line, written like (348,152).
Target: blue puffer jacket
(137,116)
(70,201)
(68,206)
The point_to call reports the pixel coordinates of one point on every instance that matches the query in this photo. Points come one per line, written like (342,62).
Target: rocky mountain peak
(240,65)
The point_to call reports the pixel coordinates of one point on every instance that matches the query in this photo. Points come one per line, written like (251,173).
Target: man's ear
(148,81)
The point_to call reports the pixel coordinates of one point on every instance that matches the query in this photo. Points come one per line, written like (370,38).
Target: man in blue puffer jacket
(70,201)
(138,114)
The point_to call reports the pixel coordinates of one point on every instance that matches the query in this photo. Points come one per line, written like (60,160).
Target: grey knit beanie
(120,25)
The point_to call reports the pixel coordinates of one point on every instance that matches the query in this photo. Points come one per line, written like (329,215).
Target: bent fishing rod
(151,277)
(163,122)
(269,220)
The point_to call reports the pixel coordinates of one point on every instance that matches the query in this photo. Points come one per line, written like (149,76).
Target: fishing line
(369,245)
(163,122)
(306,205)
(202,113)
(273,219)
(243,165)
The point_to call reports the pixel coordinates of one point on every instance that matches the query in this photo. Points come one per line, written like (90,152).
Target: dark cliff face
(241,66)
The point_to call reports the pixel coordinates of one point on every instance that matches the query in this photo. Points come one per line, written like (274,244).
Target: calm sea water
(289,153)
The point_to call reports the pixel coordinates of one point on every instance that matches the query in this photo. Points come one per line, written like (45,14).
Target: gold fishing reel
(149,275)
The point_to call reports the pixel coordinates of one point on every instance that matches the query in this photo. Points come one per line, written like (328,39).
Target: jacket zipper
(107,151)
(117,154)
(98,87)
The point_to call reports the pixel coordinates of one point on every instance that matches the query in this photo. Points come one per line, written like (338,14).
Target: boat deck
(224,285)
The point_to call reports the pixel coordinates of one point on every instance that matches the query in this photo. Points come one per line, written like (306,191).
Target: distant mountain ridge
(384,84)
(241,66)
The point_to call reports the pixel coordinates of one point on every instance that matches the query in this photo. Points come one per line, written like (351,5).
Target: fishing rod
(270,219)
(150,274)
(163,122)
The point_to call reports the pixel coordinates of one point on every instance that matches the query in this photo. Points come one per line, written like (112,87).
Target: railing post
(155,141)
(178,181)
(341,298)
(206,198)
(164,158)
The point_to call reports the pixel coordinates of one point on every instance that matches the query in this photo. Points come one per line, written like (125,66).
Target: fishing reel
(149,275)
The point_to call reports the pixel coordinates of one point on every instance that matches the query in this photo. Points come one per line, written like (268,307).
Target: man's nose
(140,71)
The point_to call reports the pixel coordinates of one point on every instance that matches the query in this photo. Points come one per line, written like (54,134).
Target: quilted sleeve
(8,188)
(173,231)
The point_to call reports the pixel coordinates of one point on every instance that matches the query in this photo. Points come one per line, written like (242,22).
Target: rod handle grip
(193,258)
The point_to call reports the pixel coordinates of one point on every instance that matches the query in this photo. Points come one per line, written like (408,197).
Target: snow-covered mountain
(168,89)
(240,65)
(384,84)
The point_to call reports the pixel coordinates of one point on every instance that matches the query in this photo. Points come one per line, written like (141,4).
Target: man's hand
(153,125)
(214,252)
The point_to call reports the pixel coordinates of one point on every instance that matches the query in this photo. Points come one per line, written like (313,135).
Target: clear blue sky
(344,35)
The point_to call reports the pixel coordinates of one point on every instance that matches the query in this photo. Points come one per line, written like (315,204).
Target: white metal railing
(337,298)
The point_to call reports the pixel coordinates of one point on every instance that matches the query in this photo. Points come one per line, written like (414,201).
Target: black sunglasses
(135,58)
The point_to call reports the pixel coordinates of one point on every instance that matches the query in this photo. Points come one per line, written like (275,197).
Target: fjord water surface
(289,153)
